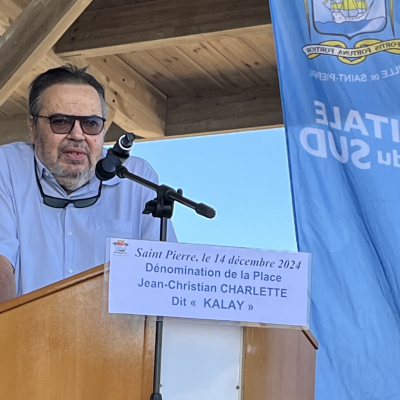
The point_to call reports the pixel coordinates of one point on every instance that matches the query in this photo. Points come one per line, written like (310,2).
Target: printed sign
(209,282)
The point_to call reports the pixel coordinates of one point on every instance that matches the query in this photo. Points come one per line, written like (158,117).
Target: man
(55,213)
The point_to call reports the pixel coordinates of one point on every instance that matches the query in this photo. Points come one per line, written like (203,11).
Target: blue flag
(339,68)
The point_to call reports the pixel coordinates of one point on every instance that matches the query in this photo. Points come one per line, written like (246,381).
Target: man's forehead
(72,96)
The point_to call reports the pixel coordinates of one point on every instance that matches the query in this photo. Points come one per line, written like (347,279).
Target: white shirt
(47,244)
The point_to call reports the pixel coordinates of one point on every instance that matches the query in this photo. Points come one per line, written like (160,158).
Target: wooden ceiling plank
(124,105)
(247,60)
(253,108)
(114,132)
(50,60)
(137,99)
(11,8)
(123,78)
(263,44)
(216,65)
(102,4)
(22,94)
(13,129)
(21,3)
(4,23)
(160,11)
(12,107)
(156,73)
(46,62)
(160,23)
(31,35)
(20,101)
(135,124)
(110,118)
(188,71)
(9,11)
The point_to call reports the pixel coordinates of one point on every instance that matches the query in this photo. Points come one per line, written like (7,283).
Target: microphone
(106,168)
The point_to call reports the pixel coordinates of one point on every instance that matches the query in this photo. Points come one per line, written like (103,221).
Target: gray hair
(67,74)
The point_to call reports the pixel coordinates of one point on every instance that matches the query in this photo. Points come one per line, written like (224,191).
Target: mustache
(71,144)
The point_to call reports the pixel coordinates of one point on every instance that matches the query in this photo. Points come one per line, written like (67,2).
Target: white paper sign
(208,282)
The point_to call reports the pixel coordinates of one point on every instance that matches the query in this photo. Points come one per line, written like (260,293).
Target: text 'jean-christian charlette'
(218,280)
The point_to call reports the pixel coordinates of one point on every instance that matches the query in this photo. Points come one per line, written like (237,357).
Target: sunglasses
(57,202)
(63,124)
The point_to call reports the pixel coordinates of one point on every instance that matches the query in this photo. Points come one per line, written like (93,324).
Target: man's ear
(31,127)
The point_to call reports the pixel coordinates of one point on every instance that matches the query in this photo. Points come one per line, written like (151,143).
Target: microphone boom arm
(162,206)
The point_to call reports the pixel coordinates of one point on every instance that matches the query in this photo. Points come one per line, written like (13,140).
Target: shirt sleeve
(9,243)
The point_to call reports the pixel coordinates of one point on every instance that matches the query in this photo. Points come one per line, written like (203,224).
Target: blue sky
(244,176)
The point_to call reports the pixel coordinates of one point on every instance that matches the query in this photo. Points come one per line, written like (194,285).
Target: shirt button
(69,233)
(70,271)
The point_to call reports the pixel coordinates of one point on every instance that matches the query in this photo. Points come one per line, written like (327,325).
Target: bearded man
(55,213)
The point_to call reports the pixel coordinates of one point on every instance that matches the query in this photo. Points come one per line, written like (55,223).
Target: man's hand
(7,280)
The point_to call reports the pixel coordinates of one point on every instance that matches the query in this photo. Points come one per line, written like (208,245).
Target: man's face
(71,158)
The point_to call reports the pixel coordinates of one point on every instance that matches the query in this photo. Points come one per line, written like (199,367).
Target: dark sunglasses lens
(86,202)
(61,123)
(92,125)
(54,202)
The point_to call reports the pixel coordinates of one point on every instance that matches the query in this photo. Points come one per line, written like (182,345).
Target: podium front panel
(60,343)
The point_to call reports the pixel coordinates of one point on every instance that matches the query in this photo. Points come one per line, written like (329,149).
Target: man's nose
(76,131)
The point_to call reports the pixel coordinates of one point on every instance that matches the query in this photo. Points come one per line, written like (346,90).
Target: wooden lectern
(59,343)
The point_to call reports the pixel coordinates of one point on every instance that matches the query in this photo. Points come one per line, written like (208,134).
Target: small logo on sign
(120,246)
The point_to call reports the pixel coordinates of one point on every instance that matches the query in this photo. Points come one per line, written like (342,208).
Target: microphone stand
(162,207)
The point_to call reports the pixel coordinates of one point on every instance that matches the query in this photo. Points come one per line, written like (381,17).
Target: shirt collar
(40,168)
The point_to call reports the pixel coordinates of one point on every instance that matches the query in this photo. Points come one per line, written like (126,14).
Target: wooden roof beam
(9,11)
(159,23)
(253,108)
(31,35)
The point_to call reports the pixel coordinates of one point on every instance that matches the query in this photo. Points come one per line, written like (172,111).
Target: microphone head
(106,168)
(126,141)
